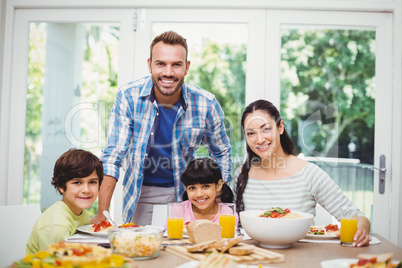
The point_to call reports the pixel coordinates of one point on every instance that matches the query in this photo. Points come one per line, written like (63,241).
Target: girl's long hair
(286,143)
(204,171)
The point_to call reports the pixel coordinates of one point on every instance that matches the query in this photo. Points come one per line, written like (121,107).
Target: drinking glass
(227,219)
(348,226)
(175,216)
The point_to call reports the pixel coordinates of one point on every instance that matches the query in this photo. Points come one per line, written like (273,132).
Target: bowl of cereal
(276,228)
(138,243)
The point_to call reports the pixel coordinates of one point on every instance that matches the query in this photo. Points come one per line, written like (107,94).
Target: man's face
(168,67)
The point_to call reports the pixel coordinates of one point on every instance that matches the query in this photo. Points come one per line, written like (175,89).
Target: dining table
(300,254)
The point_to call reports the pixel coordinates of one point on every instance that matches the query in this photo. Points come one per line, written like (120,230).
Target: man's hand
(97,218)
(104,197)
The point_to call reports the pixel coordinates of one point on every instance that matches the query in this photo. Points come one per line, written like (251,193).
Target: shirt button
(157,114)
(152,133)
(146,154)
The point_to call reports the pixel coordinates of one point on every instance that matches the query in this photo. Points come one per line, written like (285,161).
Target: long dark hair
(204,171)
(286,143)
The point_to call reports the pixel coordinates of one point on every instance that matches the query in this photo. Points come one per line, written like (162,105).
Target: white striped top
(300,192)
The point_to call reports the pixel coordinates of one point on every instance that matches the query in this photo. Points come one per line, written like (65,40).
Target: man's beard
(167,92)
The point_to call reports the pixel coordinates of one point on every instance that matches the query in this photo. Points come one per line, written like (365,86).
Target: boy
(77,176)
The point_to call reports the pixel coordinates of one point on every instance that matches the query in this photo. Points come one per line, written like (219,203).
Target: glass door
(225,54)
(67,65)
(334,77)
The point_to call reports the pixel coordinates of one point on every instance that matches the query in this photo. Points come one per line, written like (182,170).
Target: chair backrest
(159,215)
(16,224)
(323,217)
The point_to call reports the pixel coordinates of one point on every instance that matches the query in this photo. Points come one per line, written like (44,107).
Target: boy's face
(80,193)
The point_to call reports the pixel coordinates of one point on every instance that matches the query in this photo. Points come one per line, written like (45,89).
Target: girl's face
(263,134)
(202,196)
(80,193)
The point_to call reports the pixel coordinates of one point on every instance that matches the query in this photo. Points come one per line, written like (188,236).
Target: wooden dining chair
(16,224)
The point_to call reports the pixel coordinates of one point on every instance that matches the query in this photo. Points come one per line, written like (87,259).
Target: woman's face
(263,134)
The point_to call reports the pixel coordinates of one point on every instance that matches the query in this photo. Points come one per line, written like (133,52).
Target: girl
(273,176)
(204,190)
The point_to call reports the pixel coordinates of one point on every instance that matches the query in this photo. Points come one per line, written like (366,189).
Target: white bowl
(275,232)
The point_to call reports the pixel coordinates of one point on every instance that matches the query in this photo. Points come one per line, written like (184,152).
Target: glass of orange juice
(175,217)
(227,219)
(348,226)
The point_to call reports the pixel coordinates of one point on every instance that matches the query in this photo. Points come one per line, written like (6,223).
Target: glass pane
(327,102)
(72,77)
(217,52)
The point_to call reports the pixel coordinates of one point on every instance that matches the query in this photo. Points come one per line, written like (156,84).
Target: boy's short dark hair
(75,163)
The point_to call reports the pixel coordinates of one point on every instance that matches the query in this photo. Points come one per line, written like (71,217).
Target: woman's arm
(362,236)
(331,197)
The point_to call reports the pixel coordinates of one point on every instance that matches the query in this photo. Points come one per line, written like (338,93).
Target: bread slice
(217,260)
(227,243)
(241,250)
(385,257)
(200,231)
(201,246)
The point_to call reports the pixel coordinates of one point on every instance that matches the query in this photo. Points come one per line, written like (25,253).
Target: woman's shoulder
(297,162)
(312,167)
(301,165)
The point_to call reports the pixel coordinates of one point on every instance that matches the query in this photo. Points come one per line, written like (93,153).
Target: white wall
(3,188)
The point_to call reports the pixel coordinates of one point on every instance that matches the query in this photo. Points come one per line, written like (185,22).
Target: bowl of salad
(276,227)
(139,243)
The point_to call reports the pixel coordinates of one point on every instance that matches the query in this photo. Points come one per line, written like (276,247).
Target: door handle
(381,188)
(381,177)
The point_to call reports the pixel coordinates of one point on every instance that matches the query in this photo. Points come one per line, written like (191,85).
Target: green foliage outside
(221,69)
(33,123)
(99,86)
(99,76)
(322,68)
(99,83)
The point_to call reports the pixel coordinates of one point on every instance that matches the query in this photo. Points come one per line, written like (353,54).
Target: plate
(193,264)
(84,229)
(324,236)
(338,263)
(342,263)
(320,236)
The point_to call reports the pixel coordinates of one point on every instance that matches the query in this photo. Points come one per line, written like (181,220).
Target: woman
(273,176)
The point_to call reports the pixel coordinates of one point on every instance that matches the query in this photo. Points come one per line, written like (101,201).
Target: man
(156,125)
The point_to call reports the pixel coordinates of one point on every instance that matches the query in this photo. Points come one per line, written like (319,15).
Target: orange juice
(227,222)
(175,228)
(348,230)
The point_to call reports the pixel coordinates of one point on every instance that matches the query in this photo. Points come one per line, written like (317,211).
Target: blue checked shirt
(200,118)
